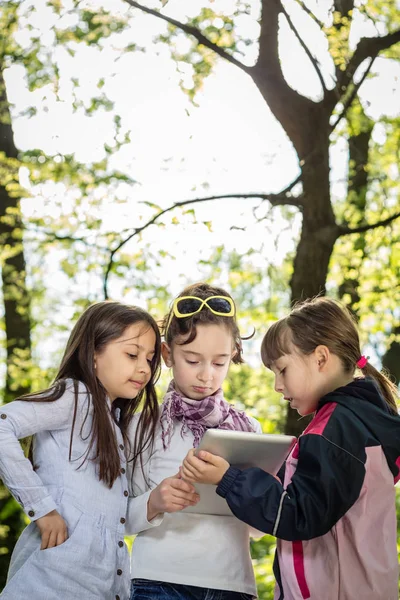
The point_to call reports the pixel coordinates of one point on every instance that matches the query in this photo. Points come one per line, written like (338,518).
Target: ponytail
(387,387)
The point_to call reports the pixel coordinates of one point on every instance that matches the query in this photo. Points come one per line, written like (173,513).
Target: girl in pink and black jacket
(334,513)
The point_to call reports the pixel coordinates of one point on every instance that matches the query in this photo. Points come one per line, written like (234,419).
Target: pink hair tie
(362,361)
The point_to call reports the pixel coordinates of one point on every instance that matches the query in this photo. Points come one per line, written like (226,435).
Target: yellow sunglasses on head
(186,306)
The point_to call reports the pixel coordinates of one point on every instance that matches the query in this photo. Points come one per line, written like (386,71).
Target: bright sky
(230,142)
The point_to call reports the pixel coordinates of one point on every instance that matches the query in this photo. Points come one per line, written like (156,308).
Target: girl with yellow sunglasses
(187,555)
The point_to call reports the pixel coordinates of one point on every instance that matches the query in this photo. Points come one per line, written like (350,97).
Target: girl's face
(298,377)
(124,365)
(199,368)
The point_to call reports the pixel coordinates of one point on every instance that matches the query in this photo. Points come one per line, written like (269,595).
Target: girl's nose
(205,374)
(144,366)
(278,387)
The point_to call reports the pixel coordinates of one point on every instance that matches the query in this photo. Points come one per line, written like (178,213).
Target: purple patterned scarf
(199,415)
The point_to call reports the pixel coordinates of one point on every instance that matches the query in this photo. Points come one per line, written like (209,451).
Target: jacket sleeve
(140,487)
(20,419)
(327,482)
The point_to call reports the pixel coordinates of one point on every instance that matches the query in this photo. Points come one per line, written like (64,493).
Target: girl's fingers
(45,540)
(52,540)
(188,475)
(191,467)
(178,484)
(177,497)
(206,456)
(178,507)
(61,538)
(175,504)
(181,496)
(190,458)
(211,459)
(192,470)
(195,463)
(180,504)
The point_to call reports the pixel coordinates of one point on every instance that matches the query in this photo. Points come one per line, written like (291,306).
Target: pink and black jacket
(334,516)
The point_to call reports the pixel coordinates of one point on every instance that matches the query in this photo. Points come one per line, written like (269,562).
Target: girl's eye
(282,371)
(219,364)
(150,361)
(192,362)
(132,355)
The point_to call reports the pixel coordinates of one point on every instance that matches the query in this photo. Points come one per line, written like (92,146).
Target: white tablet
(241,449)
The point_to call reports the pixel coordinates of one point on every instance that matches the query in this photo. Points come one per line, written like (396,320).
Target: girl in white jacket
(75,489)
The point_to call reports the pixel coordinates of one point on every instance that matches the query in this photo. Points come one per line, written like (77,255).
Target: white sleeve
(140,485)
(20,419)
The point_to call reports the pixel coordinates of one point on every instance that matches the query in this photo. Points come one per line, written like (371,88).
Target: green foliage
(251,389)
(197,61)
(12,521)
(263,552)
(93,28)
(70,27)
(366,267)
(9,175)
(258,284)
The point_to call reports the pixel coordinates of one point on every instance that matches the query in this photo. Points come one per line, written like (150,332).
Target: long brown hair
(99,325)
(323,321)
(174,328)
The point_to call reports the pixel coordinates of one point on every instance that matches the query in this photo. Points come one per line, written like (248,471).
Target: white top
(209,551)
(93,563)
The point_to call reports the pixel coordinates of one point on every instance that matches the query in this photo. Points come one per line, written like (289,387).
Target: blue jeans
(145,589)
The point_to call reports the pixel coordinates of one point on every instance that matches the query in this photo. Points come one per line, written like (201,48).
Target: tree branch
(350,99)
(366,47)
(280,199)
(344,230)
(298,115)
(310,13)
(345,9)
(51,236)
(305,48)
(192,31)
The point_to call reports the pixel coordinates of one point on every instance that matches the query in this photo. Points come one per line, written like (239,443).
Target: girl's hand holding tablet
(203,467)
(171,495)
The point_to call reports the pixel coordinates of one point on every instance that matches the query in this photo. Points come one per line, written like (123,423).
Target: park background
(253,144)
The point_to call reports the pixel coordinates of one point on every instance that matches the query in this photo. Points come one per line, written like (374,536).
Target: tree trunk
(13,268)
(16,313)
(357,188)
(319,233)
(307,125)
(16,299)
